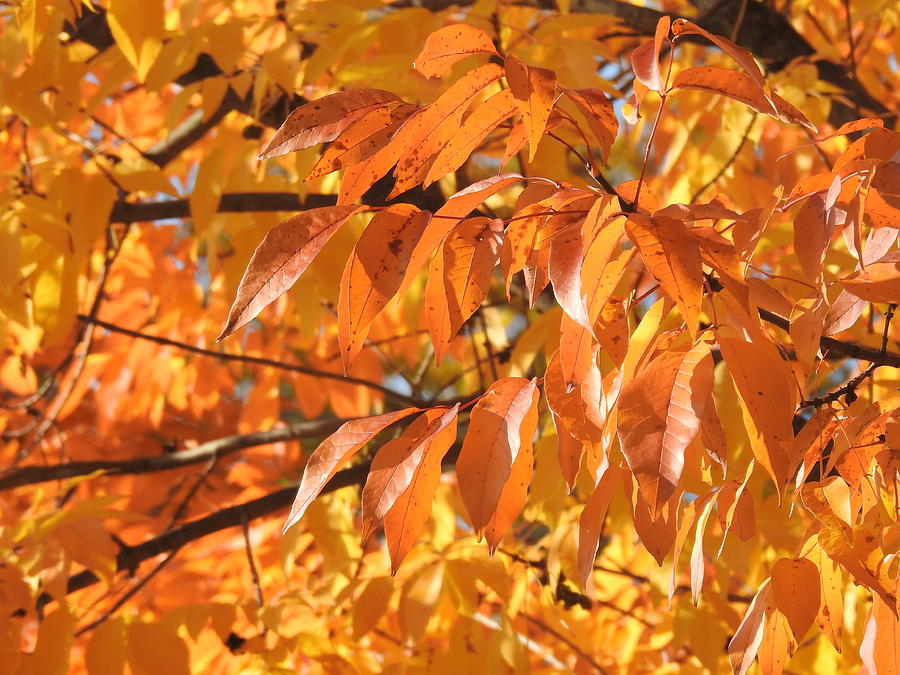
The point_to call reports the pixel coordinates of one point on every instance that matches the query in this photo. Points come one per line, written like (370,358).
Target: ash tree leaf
(449,45)
(645,59)
(744,645)
(673,258)
(740,87)
(795,592)
(459,278)
(335,451)
(535,91)
(324,119)
(659,414)
(374,272)
(279,260)
(404,475)
(590,524)
(878,282)
(515,488)
(475,128)
(491,446)
(599,113)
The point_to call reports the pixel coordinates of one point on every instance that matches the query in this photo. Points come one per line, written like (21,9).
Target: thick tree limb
(834,346)
(233,202)
(220,447)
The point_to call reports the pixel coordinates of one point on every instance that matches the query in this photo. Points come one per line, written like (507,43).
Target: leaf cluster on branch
(417,335)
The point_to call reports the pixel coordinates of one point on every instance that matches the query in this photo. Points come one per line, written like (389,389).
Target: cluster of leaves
(661,358)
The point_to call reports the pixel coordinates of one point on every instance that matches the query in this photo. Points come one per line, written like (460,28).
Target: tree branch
(234,202)
(241,358)
(220,447)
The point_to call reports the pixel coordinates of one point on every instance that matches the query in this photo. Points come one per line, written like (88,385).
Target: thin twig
(254,574)
(728,163)
(224,356)
(138,585)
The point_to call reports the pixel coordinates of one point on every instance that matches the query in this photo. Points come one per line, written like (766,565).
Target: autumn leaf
(279,260)
(535,91)
(335,451)
(673,259)
(740,87)
(659,414)
(598,111)
(497,424)
(402,480)
(459,278)
(374,272)
(451,44)
(590,524)
(878,282)
(645,59)
(324,119)
(795,592)
(743,647)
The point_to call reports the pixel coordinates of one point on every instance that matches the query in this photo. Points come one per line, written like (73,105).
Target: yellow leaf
(138,28)
(106,651)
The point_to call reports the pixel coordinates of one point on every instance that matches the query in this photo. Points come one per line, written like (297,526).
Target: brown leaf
(279,260)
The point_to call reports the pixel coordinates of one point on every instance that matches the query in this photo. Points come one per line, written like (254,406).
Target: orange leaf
(598,110)
(673,258)
(459,278)
(744,645)
(590,524)
(577,405)
(566,264)
(279,260)
(374,272)
(740,55)
(324,119)
(659,415)
(645,59)
(362,139)
(740,87)
(512,497)
(535,92)
(476,127)
(795,592)
(496,427)
(335,451)
(404,474)
(424,136)
(767,391)
(879,649)
(878,282)
(697,562)
(450,44)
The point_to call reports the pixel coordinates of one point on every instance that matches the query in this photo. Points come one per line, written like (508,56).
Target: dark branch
(235,202)
(220,447)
